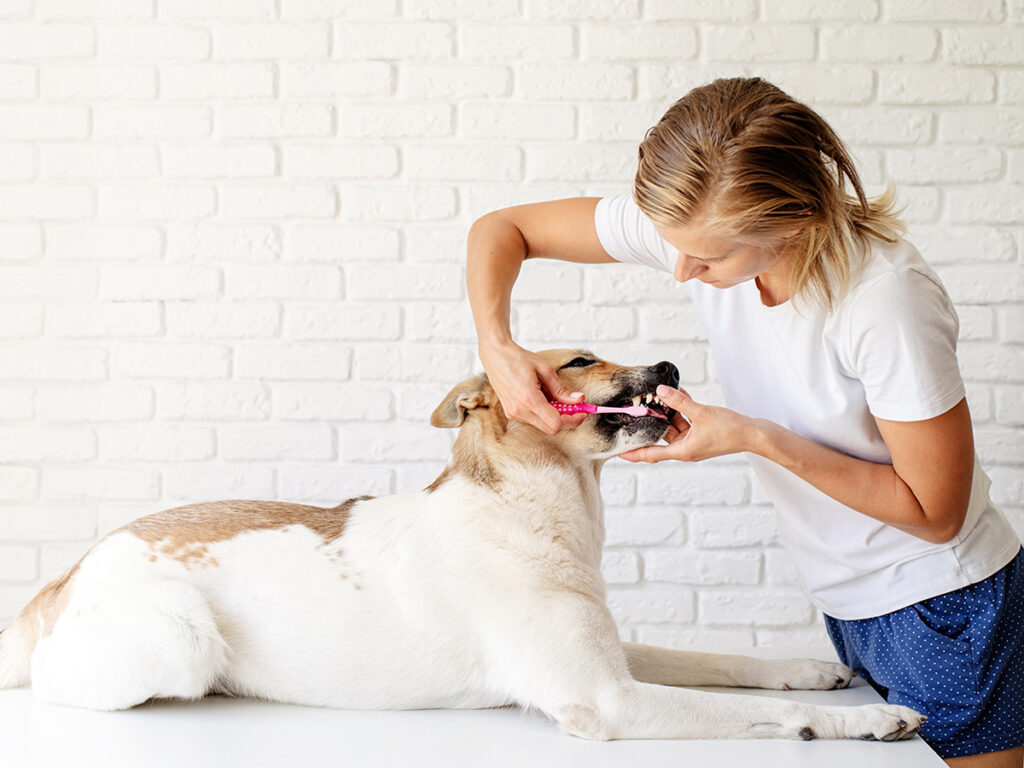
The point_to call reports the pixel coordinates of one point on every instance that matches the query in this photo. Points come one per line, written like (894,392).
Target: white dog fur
(480,591)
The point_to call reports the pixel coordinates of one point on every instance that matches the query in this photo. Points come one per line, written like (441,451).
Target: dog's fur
(480,591)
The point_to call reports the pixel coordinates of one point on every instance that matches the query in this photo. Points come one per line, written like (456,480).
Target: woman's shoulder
(628,236)
(894,296)
(889,276)
(896,331)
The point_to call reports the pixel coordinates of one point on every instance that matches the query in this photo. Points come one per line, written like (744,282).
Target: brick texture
(232,236)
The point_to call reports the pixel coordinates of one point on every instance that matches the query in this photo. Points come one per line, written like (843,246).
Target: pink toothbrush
(633,410)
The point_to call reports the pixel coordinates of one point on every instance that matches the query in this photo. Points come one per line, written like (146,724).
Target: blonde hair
(748,161)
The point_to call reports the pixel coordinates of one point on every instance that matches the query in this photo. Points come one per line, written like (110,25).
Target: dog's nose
(665,371)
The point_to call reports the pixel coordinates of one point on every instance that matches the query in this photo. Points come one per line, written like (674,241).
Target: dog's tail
(16,645)
(18,641)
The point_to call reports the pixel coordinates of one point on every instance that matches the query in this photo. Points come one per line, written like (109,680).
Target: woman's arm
(925,491)
(498,244)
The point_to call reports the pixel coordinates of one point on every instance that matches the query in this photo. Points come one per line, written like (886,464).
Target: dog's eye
(579,362)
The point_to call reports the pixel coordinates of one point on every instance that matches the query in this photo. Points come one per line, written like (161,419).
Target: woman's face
(724,262)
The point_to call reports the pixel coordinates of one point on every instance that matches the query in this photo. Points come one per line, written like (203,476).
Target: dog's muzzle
(639,387)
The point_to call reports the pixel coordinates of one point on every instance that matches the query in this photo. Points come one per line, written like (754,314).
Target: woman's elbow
(495,230)
(479,228)
(941,532)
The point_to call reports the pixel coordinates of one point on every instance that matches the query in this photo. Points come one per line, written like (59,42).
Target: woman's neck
(773,283)
(771,295)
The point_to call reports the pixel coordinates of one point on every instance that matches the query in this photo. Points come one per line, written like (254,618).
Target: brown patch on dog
(184,533)
(42,612)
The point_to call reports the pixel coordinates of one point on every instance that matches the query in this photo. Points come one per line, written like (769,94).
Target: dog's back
(327,606)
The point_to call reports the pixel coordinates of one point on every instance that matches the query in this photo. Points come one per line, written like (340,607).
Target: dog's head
(601,382)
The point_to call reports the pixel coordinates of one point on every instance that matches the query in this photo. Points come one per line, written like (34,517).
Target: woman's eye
(579,362)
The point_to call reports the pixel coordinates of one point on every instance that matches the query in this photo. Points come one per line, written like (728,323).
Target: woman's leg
(1007,758)
(957,658)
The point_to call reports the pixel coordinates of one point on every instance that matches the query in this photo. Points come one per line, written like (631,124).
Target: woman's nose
(688,267)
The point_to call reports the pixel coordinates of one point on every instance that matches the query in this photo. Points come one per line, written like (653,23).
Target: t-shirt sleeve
(903,332)
(629,236)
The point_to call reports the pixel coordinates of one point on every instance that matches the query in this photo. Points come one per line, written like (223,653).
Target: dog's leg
(562,655)
(649,664)
(644,710)
(116,646)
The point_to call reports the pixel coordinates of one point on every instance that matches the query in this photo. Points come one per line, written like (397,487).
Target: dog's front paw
(873,722)
(807,674)
(889,722)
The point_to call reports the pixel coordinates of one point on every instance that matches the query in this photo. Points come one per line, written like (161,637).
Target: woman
(836,351)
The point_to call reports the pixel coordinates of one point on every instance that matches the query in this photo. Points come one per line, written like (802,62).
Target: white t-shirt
(888,350)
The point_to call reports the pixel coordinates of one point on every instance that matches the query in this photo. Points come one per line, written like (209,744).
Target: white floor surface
(225,732)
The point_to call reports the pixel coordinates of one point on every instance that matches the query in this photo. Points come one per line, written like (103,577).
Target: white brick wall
(232,236)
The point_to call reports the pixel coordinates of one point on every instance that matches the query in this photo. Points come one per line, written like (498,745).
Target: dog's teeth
(648,397)
(636,400)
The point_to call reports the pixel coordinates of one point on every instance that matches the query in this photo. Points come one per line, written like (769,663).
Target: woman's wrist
(762,439)
(786,448)
(497,339)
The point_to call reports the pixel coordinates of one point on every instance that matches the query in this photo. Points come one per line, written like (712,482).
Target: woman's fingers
(512,371)
(677,399)
(526,384)
(556,390)
(526,403)
(650,454)
(677,430)
(554,386)
(679,423)
(547,419)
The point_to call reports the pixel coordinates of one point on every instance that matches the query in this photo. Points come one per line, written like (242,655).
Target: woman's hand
(525,382)
(697,431)
(925,491)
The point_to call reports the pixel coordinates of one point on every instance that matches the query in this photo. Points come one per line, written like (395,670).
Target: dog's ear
(472,393)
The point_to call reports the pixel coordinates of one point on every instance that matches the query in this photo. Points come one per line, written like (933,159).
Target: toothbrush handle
(632,410)
(569,408)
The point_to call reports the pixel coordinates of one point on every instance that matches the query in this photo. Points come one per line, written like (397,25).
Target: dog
(482,590)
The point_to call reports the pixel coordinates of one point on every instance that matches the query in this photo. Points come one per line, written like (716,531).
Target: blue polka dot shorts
(957,658)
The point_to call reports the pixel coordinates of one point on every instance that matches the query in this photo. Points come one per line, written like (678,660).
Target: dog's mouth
(656,409)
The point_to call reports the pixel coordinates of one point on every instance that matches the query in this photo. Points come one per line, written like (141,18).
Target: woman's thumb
(558,391)
(676,398)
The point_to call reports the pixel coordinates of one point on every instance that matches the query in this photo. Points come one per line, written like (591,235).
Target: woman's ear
(794,233)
